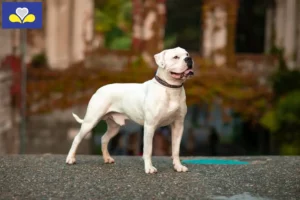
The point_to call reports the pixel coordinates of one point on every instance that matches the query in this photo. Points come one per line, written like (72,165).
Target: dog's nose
(188,59)
(189,62)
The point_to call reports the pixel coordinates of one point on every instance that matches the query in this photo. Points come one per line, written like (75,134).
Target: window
(183,26)
(250,28)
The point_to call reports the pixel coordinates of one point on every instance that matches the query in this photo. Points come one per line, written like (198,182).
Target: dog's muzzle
(189,62)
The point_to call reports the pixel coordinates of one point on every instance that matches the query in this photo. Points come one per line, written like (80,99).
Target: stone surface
(48,177)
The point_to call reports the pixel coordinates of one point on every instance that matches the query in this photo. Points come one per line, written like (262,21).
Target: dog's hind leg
(86,128)
(93,116)
(112,130)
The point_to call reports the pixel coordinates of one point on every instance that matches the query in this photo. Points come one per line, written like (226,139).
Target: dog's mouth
(186,73)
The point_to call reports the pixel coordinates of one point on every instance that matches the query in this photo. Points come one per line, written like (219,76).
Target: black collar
(164,83)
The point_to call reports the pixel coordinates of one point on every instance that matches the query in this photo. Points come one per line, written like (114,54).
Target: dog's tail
(77,118)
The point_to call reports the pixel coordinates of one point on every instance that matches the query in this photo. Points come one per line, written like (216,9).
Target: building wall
(66,37)
(67,28)
(283,30)
(54,132)
(7,140)
(5,39)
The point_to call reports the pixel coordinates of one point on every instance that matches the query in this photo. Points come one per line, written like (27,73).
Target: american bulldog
(158,102)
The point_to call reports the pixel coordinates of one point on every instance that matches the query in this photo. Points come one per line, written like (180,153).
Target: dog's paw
(150,170)
(180,168)
(70,160)
(109,160)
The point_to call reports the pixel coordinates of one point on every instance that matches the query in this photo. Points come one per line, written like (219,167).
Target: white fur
(149,104)
(77,118)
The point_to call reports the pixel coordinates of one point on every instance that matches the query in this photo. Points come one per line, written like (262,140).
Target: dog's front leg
(147,153)
(177,131)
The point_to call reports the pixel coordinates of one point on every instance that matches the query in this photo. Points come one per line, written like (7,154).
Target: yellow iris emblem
(21,16)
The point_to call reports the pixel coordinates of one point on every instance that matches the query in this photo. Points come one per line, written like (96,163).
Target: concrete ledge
(48,177)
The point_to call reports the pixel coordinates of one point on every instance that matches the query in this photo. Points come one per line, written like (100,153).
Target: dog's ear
(160,59)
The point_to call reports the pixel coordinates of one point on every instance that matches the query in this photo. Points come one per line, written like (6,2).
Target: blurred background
(243,100)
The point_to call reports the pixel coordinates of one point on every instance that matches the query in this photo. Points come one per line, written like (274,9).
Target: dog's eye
(187,54)
(175,57)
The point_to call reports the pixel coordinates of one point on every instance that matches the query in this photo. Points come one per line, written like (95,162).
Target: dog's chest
(172,107)
(168,113)
(163,105)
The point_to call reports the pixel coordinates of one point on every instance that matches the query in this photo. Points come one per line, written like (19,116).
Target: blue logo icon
(22,15)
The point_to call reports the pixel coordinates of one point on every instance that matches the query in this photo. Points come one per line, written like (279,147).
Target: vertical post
(290,33)
(280,21)
(232,16)
(298,43)
(23,91)
(269,28)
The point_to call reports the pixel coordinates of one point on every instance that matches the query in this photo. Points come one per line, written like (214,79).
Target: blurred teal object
(215,162)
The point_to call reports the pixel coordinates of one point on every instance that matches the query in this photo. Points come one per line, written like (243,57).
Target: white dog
(154,103)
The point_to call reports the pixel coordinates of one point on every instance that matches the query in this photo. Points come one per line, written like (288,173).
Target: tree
(113,19)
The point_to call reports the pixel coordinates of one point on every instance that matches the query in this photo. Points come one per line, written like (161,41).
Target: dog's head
(176,63)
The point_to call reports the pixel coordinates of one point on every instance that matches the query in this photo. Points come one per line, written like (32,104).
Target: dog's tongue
(188,72)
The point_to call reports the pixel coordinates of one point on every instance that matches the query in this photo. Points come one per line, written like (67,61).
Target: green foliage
(279,52)
(116,40)
(284,119)
(120,43)
(290,149)
(288,110)
(137,62)
(285,81)
(39,60)
(170,41)
(113,18)
(268,120)
(284,123)
(103,22)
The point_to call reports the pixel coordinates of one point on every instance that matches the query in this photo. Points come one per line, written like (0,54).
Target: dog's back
(117,90)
